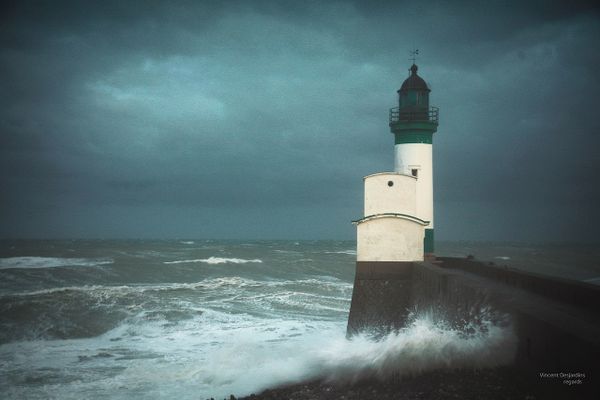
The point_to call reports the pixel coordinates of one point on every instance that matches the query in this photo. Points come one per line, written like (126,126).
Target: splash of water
(424,345)
(215,354)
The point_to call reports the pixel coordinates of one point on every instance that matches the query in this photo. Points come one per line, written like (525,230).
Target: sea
(195,319)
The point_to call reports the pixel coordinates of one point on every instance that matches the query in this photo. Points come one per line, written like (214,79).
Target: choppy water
(198,319)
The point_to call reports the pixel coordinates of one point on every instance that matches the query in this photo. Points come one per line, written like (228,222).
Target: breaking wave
(234,282)
(215,260)
(286,352)
(51,262)
(424,345)
(348,252)
(90,310)
(220,349)
(143,329)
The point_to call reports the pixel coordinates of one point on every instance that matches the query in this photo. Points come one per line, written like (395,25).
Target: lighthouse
(413,124)
(396,230)
(397,226)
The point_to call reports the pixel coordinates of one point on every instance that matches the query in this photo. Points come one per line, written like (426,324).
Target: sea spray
(288,352)
(425,344)
(213,354)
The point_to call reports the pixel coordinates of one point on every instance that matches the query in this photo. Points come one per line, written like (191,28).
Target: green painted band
(414,137)
(428,241)
(408,126)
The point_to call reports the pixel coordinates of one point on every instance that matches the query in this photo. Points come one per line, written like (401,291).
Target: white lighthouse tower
(413,124)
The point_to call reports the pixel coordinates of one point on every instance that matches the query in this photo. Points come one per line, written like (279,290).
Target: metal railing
(414,115)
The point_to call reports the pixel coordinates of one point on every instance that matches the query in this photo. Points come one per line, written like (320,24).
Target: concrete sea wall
(556,321)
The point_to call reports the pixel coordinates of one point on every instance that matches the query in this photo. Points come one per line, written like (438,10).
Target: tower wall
(389,192)
(419,156)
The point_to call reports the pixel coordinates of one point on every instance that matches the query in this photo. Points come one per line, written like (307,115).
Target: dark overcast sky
(258,119)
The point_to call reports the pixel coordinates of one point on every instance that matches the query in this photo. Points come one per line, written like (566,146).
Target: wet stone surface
(499,383)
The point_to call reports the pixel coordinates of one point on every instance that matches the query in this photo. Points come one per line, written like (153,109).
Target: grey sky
(258,119)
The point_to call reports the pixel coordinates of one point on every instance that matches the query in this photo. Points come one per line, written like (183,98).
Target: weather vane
(414,53)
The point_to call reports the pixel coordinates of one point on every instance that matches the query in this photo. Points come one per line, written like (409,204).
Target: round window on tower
(390,183)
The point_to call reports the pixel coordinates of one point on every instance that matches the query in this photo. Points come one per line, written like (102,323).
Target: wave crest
(215,260)
(51,262)
(424,345)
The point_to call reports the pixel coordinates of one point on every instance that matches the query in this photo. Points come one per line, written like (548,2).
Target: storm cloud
(259,119)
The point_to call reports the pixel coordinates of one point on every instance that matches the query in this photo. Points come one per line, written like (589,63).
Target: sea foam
(215,260)
(51,262)
(347,252)
(424,345)
(256,356)
(216,353)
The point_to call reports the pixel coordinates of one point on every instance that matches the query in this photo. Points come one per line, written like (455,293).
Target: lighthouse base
(381,297)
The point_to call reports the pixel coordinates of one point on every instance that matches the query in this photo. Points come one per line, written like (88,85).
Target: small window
(390,183)
(414,172)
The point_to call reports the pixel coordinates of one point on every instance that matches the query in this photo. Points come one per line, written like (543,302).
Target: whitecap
(348,252)
(502,257)
(286,251)
(206,284)
(215,260)
(51,262)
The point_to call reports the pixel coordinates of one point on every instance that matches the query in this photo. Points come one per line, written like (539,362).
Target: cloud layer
(258,119)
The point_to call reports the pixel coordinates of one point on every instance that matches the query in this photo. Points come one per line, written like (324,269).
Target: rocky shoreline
(493,384)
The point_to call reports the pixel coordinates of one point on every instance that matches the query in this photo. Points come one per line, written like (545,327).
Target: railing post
(431,114)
